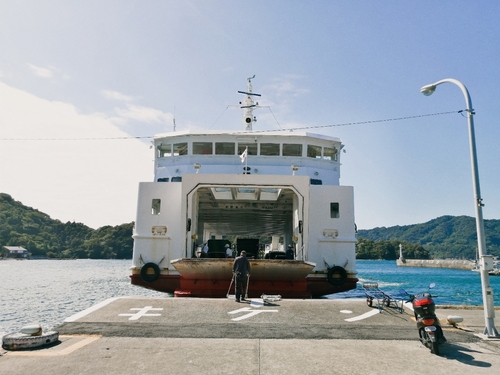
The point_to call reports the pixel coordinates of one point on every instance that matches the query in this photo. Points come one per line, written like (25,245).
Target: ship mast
(248,105)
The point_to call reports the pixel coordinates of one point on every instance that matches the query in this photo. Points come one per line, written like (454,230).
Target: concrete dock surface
(220,336)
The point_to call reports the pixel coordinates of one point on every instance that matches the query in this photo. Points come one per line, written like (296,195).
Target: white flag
(243,156)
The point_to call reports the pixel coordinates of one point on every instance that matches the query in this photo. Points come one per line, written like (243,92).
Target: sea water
(48,291)
(453,287)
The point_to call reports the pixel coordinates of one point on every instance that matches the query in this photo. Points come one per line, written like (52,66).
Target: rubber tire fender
(337,276)
(146,274)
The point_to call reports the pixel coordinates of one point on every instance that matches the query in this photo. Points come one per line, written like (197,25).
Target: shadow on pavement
(462,354)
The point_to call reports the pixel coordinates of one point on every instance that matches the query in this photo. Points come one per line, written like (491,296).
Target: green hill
(42,236)
(443,237)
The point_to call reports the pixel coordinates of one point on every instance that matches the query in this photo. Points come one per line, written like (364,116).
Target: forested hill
(42,236)
(444,237)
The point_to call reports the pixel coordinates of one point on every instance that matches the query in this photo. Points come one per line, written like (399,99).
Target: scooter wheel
(369,302)
(434,348)
(426,340)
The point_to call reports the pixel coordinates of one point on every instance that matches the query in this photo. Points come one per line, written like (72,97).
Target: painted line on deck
(87,339)
(142,311)
(81,314)
(363,316)
(249,312)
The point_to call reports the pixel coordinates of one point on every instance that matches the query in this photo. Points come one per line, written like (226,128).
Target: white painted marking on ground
(239,310)
(142,312)
(346,311)
(81,314)
(250,313)
(364,316)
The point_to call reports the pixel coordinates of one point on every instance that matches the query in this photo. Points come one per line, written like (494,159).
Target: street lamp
(486,261)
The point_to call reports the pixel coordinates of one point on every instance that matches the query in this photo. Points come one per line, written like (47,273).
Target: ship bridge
(255,153)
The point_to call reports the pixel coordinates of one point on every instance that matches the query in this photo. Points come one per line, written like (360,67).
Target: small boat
(218,188)
(29,337)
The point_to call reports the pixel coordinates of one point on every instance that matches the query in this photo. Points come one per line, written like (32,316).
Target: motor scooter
(429,328)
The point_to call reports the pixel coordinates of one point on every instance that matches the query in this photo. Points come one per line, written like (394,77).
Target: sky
(84,85)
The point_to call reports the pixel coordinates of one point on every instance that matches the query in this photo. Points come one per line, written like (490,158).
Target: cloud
(41,72)
(285,92)
(286,86)
(144,114)
(70,177)
(115,95)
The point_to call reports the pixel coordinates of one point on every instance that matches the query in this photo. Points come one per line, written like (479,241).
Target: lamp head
(428,90)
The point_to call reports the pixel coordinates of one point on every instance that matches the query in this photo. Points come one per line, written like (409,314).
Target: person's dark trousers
(241,287)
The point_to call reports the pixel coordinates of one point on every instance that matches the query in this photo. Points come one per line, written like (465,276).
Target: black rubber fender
(150,272)
(337,275)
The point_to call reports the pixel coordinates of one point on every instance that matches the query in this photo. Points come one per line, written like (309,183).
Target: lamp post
(486,261)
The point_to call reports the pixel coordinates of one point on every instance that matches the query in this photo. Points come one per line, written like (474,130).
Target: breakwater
(436,263)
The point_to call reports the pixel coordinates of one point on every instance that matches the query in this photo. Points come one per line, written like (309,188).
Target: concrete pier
(457,264)
(220,336)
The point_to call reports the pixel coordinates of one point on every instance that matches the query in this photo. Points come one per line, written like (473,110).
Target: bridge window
(164,150)
(252,148)
(334,210)
(314,151)
(180,149)
(270,149)
(224,148)
(202,148)
(292,149)
(330,153)
(155,207)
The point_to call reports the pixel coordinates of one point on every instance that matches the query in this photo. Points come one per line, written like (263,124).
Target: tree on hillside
(388,250)
(42,236)
(443,237)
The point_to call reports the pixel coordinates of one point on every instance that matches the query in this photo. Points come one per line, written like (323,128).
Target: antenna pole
(248,105)
(174,119)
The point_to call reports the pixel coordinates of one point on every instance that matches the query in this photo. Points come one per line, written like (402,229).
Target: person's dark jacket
(241,266)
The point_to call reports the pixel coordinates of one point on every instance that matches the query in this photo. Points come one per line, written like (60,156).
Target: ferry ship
(218,188)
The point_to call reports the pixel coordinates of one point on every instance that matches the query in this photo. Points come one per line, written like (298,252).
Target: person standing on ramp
(241,271)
